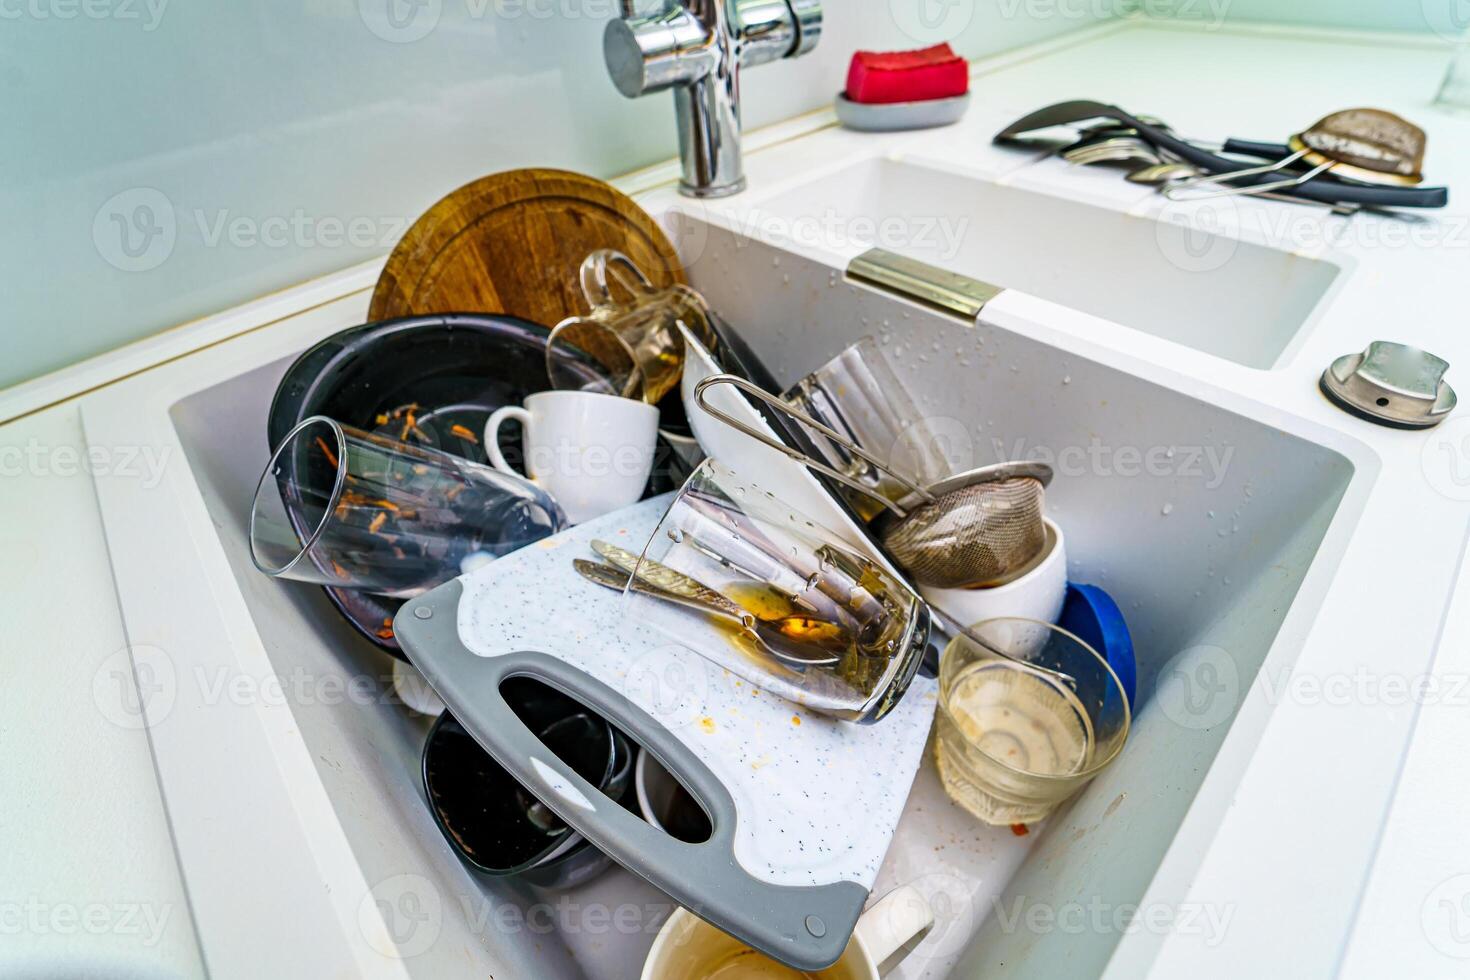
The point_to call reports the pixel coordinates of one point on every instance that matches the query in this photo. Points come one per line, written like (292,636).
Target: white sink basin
(1215,292)
(1207,550)
(1201,520)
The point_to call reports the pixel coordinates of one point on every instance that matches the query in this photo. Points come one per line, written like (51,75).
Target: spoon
(797,641)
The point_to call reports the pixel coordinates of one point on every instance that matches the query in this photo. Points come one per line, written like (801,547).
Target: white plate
(772,471)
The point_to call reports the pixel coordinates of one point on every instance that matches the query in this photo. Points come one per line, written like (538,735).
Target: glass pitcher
(632,331)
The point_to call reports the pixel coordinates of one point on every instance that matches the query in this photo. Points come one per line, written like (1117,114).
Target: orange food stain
(707,725)
(1019,829)
(796,719)
(322,445)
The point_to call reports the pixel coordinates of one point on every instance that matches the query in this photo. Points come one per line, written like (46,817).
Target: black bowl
(495,824)
(457,368)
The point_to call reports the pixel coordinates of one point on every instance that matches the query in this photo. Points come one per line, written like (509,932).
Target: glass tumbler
(740,578)
(1013,743)
(860,396)
(342,507)
(631,332)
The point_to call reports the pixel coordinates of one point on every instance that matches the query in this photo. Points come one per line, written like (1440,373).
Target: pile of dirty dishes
(390,513)
(385,511)
(1029,710)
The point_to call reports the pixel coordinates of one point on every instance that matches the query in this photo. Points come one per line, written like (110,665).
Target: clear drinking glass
(858,394)
(740,578)
(632,332)
(342,507)
(1013,743)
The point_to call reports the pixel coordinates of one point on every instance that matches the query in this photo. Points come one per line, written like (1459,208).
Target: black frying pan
(458,368)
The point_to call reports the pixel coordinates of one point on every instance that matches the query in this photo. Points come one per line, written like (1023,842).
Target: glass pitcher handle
(605,264)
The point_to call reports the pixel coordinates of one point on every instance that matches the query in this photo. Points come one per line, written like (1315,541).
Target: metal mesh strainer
(1366,146)
(1367,139)
(980,527)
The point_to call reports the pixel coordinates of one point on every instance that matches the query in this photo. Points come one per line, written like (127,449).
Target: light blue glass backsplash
(1448,18)
(166,159)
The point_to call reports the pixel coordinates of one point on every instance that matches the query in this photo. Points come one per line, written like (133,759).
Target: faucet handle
(657,51)
(807,14)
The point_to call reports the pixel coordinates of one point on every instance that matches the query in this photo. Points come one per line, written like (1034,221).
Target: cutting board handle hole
(640,782)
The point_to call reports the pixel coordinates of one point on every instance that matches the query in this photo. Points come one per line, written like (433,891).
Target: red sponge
(907,76)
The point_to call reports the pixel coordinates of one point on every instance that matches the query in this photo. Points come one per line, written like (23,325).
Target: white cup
(592,452)
(688,948)
(1037,594)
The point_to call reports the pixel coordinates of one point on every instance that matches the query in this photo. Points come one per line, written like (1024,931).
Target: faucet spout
(698,49)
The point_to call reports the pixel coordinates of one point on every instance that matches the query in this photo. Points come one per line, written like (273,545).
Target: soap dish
(889,117)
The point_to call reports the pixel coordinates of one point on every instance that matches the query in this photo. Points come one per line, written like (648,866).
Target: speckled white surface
(817,800)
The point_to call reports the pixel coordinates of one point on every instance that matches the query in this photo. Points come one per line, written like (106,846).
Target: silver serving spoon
(799,651)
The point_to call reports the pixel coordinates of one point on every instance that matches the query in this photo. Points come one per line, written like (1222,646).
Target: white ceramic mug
(1037,594)
(688,948)
(592,452)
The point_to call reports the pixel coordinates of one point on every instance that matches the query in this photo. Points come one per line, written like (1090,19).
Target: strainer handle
(761,395)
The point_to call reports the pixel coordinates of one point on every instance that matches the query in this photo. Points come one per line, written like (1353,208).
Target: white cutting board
(817,800)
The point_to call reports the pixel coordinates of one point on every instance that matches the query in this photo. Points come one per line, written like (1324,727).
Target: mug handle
(890,924)
(492,436)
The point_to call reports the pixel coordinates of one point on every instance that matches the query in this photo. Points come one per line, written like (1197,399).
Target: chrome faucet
(698,48)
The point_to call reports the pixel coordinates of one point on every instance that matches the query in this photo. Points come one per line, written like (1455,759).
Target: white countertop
(1341,847)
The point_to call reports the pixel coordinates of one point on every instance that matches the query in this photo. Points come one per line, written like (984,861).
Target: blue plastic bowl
(1092,616)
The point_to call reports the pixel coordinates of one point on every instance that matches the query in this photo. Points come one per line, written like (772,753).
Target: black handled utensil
(1335,192)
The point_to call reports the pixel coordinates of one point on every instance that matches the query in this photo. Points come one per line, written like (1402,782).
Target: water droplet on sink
(1067,380)
(1210,514)
(676,535)
(1167,509)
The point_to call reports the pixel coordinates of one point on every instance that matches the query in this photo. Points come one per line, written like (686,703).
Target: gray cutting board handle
(804,927)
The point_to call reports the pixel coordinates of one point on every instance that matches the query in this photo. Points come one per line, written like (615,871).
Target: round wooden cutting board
(513,243)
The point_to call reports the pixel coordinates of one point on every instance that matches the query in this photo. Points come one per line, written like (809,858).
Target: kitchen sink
(1202,521)
(1197,282)
(1205,519)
